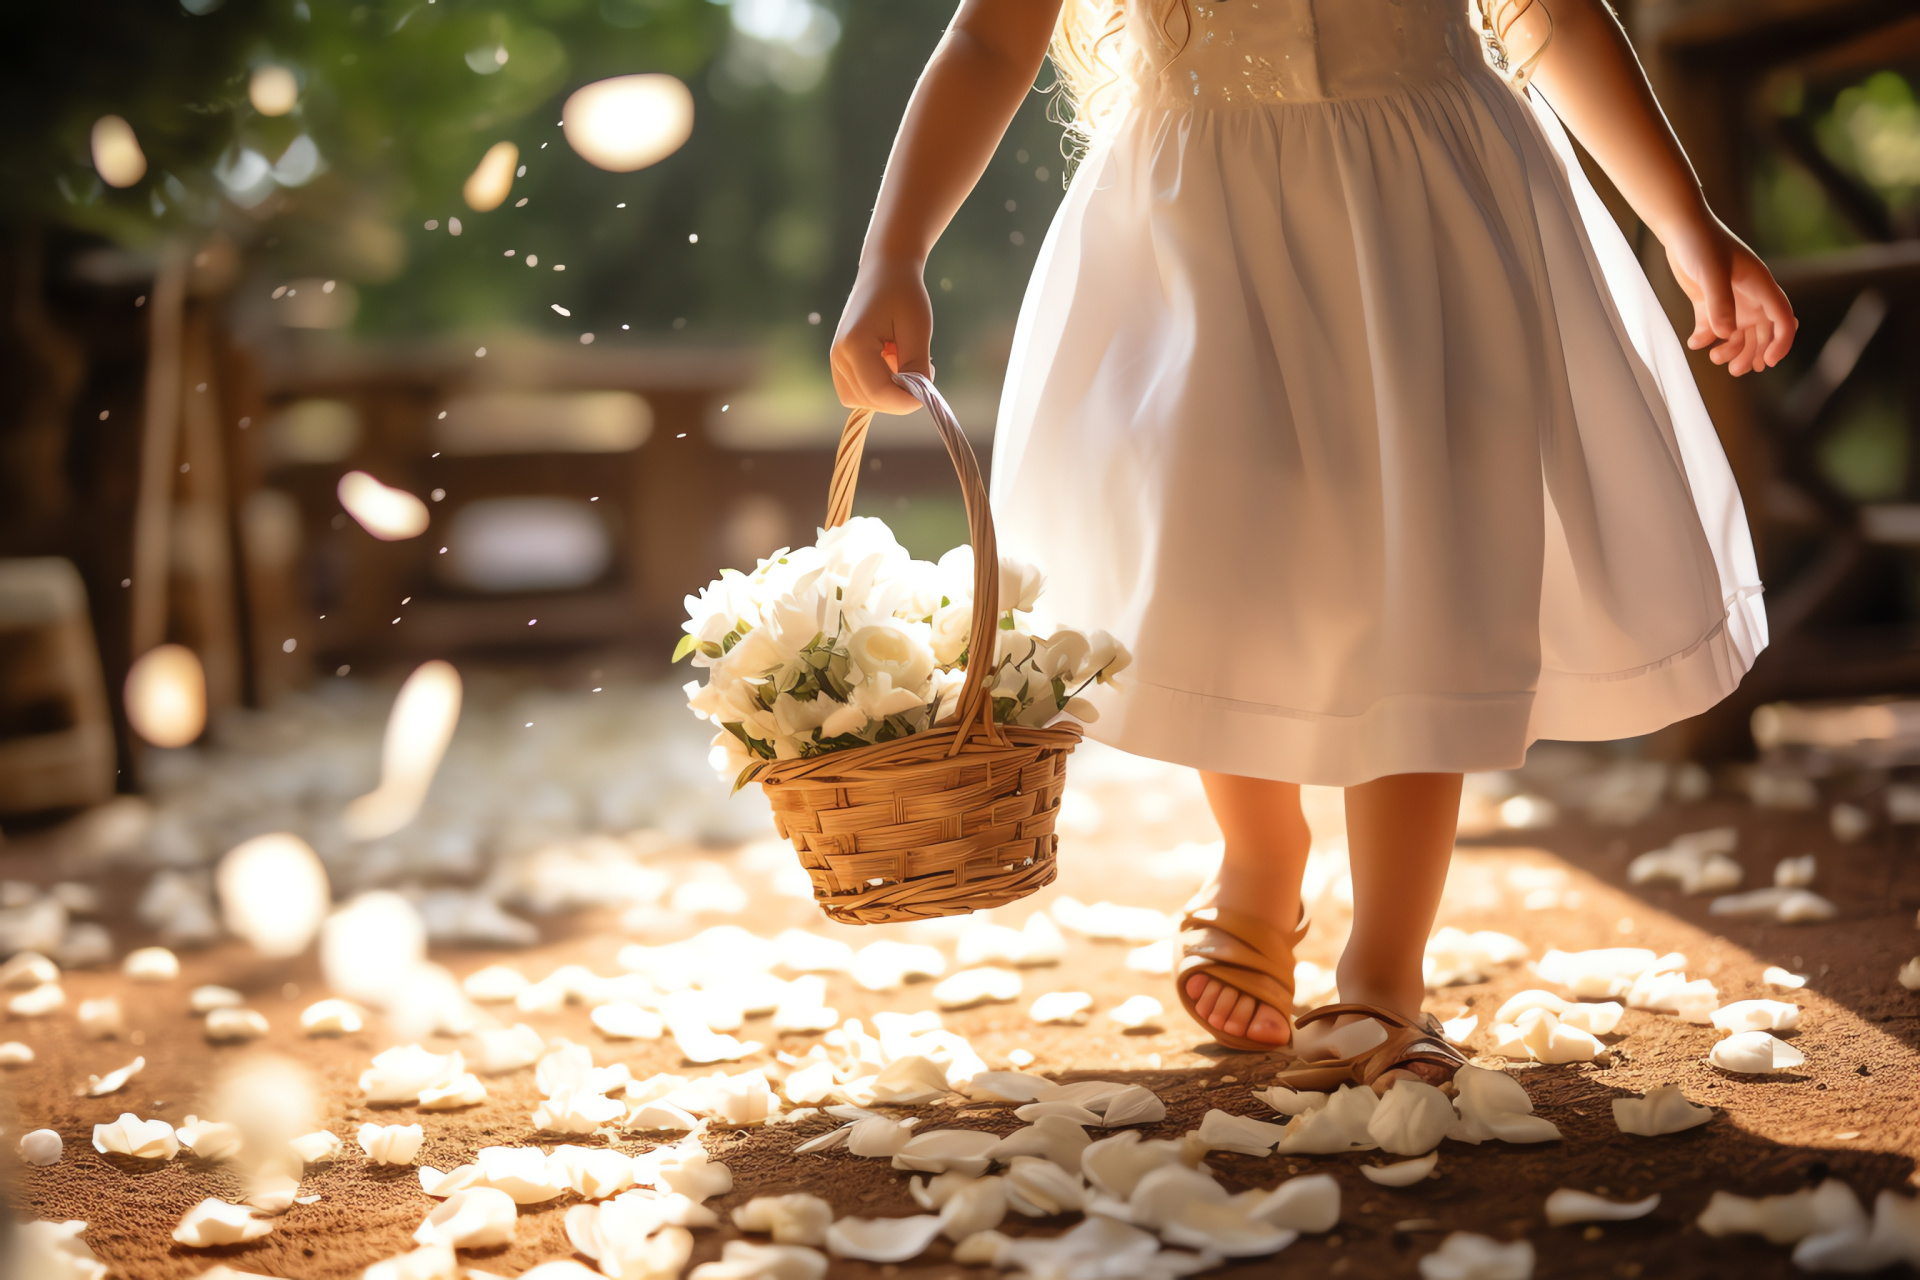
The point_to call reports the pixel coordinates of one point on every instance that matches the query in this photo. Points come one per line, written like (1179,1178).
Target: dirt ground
(1849,1113)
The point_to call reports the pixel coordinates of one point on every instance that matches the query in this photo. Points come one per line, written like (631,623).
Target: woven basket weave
(956,819)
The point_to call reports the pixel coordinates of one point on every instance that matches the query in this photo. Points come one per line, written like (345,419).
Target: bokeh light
(117,157)
(492,178)
(273,90)
(628,122)
(166,696)
(389,514)
(418,730)
(274,893)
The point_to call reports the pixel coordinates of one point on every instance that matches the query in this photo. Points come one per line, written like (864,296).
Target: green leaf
(712,650)
(746,776)
(1006,623)
(686,646)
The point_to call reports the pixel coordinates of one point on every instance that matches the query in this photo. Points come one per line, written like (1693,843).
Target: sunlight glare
(389,514)
(628,122)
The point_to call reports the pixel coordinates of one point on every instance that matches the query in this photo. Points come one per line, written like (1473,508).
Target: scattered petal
(744,1260)
(1775,976)
(1755,1053)
(1493,1105)
(391,1143)
(212,1223)
(1411,1119)
(114,1081)
(235,1026)
(1662,1110)
(1136,1012)
(41,1147)
(332,1018)
(1051,1137)
(1115,1165)
(1466,1256)
(1406,1172)
(132,1136)
(1222,1131)
(317,1147)
(473,1219)
(1757,1015)
(1566,1205)
(789,1219)
(209,1139)
(882,1239)
(1341,1125)
(1061,1007)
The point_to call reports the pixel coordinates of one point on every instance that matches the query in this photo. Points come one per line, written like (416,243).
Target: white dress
(1338,396)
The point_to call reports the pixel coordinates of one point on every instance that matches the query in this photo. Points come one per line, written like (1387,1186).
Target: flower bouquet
(916,767)
(851,642)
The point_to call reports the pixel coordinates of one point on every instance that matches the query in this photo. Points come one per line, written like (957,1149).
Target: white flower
(1020,584)
(895,649)
(1063,655)
(1108,657)
(951,625)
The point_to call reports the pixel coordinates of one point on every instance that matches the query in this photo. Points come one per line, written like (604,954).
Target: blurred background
(338,336)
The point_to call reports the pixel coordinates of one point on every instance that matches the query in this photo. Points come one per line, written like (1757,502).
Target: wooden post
(159,444)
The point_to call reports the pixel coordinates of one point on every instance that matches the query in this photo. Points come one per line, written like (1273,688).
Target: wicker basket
(940,823)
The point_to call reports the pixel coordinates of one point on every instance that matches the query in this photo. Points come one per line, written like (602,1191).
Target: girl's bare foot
(1236,1012)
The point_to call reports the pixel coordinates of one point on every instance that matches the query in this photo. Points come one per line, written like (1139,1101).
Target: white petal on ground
(1073,1111)
(882,1239)
(744,1260)
(1163,1194)
(572,1110)
(567,1269)
(594,1173)
(1493,1105)
(1697,862)
(971,987)
(1550,1041)
(332,1018)
(1115,1165)
(1135,1104)
(464,1090)
(524,1173)
(274,1193)
(391,1143)
(570,1066)
(974,1206)
(685,1168)
(1775,976)
(789,1219)
(1909,975)
(41,1147)
(1828,1209)
(1596,1019)
(1308,1203)
(1603,973)
(399,1074)
(212,1223)
(886,965)
(316,1147)
(634,1237)
(101,1019)
(1453,956)
(495,984)
(803,1006)
(1289,1102)
(802,952)
(1788,906)
(15,1054)
(1222,1131)
(1466,1256)
(132,1136)
(1798,873)
(206,999)
(1061,1007)
(1051,1137)
(1226,1230)
(1007,1086)
(1136,1011)
(114,1081)
(26,970)
(878,1137)
(1040,1188)
(55,1251)
(1669,992)
(1406,1172)
(1757,1015)
(1341,1125)
(1460,1030)
(959,1150)
(209,1139)
(910,1080)
(507,1050)
(1412,1118)
(1755,1053)
(1114,923)
(441,1185)
(1152,957)
(38,1002)
(1662,1110)
(473,1219)
(428,1262)
(235,1026)
(1567,1205)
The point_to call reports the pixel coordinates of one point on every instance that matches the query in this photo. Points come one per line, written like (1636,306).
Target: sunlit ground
(574,818)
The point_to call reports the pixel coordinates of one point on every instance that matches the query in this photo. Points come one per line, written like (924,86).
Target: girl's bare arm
(975,81)
(1591,76)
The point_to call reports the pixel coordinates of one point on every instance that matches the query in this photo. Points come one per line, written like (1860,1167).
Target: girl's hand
(1738,310)
(888,314)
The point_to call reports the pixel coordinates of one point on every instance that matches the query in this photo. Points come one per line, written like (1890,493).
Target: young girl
(1337,396)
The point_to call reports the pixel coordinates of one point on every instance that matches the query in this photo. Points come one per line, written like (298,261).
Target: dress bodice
(1243,53)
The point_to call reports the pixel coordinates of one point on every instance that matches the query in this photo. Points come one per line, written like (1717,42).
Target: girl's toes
(1208,997)
(1238,1015)
(1268,1025)
(1197,986)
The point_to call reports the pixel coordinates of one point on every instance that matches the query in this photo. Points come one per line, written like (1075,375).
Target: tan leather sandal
(1406,1043)
(1243,952)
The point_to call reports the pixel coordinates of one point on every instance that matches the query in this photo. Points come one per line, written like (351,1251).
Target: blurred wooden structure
(1718,66)
(56,735)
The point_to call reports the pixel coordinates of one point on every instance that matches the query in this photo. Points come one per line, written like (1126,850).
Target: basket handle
(975,703)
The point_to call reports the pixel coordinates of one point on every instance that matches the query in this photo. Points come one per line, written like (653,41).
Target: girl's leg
(1400,833)
(1266,853)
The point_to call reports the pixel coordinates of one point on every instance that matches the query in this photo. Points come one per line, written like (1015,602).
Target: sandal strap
(1374,1011)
